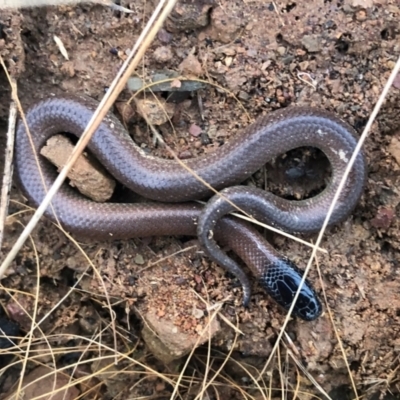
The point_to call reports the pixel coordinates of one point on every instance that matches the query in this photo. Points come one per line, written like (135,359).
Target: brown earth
(336,55)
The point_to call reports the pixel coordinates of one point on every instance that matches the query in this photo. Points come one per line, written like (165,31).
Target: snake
(171,191)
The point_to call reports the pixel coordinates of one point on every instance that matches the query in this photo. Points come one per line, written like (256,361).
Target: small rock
(361,15)
(191,65)
(396,82)
(167,342)
(311,43)
(87,175)
(139,259)
(391,64)
(126,110)
(243,95)
(394,149)
(265,65)
(184,155)
(176,83)
(195,130)
(68,69)
(189,15)
(162,54)
(300,52)
(383,218)
(211,133)
(156,112)
(228,61)
(304,65)
(164,36)
(205,139)
(198,313)
(281,50)
(225,27)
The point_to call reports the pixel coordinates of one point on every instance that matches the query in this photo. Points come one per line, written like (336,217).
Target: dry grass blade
(143,42)
(360,143)
(279,232)
(304,369)
(8,169)
(38,3)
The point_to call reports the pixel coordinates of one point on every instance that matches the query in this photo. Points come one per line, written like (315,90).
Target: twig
(38,3)
(8,169)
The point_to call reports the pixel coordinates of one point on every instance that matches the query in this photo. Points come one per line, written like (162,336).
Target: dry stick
(116,87)
(13,4)
(38,3)
(8,169)
(360,143)
(296,359)
(279,232)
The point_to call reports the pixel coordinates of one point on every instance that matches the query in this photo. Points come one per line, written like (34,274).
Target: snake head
(281,280)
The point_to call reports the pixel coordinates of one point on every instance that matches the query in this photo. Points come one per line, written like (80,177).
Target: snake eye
(281,280)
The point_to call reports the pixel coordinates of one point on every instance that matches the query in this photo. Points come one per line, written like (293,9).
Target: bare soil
(333,54)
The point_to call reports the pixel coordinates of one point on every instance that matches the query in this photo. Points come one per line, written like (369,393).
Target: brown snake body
(166,181)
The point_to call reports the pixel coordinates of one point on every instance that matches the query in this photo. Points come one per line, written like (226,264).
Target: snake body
(171,188)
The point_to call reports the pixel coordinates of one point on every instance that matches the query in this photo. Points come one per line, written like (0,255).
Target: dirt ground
(332,54)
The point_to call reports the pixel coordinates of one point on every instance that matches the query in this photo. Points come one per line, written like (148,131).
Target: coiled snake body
(170,188)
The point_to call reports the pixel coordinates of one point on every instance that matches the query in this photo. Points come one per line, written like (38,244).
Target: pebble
(311,43)
(195,130)
(198,313)
(243,95)
(185,155)
(155,111)
(205,139)
(281,50)
(361,15)
(394,149)
(390,64)
(164,36)
(191,65)
(304,65)
(162,54)
(229,51)
(139,259)
(228,61)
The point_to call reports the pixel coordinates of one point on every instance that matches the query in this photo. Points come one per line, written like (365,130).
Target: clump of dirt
(335,55)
